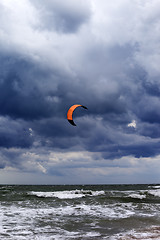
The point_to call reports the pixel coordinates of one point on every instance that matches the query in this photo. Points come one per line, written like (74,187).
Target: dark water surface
(80,212)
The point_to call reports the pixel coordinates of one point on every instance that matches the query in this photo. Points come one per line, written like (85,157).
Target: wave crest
(67,194)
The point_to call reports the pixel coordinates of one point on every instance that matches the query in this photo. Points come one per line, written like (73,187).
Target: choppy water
(80,212)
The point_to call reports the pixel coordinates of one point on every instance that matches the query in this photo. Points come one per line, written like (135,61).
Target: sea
(115,212)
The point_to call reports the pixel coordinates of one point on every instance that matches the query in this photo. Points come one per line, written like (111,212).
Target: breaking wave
(67,194)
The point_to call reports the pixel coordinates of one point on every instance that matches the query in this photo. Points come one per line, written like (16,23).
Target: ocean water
(79,212)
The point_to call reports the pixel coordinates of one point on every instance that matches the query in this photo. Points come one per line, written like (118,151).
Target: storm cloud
(101,55)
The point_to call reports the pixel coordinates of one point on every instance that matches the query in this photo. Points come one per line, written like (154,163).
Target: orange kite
(70,113)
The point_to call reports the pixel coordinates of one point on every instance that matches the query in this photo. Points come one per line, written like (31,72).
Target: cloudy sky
(102,54)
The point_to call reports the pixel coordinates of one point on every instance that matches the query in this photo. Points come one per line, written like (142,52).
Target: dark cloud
(22,92)
(48,70)
(103,128)
(14,134)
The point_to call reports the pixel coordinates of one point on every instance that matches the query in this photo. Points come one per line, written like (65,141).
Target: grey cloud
(65,17)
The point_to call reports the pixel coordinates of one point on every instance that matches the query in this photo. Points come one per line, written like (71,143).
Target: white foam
(73,235)
(67,194)
(147,234)
(139,196)
(112,212)
(17,215)
(92,234)
(155,186)
(155,193)
(17,220)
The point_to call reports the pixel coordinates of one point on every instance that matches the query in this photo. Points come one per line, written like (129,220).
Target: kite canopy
(70,113)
